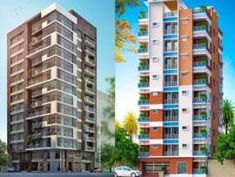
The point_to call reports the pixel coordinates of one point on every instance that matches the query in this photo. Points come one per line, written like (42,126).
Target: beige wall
(218,170)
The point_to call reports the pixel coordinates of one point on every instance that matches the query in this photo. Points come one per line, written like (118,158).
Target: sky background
(127,73)
(15,12)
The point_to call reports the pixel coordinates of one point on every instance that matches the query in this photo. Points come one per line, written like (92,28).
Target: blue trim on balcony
(171,106)
(170,141)
(141,34)
(199,137)
(143,85)
(169,89)
(143,102)
(143,137)
(200,119)
(170,19)
(171,123)
(143,119)
(170,71)
(170,53)
(170,36)
(201,154)
(143,68)
(199,172)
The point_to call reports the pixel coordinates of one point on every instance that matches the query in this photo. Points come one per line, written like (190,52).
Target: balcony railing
(171,101)
(143,119)
(199,153)
(199,81)
(143,84)
(171,31)
(144,136)
(170,83)
(171,118)
(200,10)
(199,100)
(171,136)
(171,49)
(143,154)
(143,33)
(199,135)
(143,50)
(200,28)
(200,46)
(199,171)
(199,64)
(143,102)
(170,14)
(199,118)
(36,28)
(143,68)
(171,153)
(170,66)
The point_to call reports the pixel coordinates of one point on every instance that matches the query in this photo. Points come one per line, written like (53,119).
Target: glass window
(182,167)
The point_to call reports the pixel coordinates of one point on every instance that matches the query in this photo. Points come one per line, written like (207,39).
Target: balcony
(143,118)
(199,153)
(143,102)
(36,28)
(90,71)
(143,15)
(170,14)
(143,154)
(171,49)
(199,171)
(143,68)
(90,51)
(172,118)
(200,82)
(89,148)
(90,42)
(171,153)
(143,136)
(199,136)
(199,64)
(89,129)
(170,66)
(90,109)
(143,85)
(200,46)
(90,61)
(171,136)
(171,101)
(170,83)
(200,28)
(199,100)
(142,50)
(89,100)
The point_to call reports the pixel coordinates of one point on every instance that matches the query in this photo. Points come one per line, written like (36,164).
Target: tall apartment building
(180,88)
(52,92)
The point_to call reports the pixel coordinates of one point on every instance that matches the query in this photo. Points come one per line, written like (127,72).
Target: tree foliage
(130,124)
(4,160)
(228,114)
(109,111)
(124,152)
(124,39)
(226,146)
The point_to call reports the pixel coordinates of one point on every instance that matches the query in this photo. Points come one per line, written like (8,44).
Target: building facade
(52,92)
(180,88)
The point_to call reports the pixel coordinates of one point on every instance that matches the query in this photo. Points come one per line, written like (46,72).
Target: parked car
(126,171)
(96,170)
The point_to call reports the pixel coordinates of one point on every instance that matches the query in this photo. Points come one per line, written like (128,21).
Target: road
(56,175)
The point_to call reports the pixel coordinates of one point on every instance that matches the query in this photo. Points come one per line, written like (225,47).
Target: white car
(126,171)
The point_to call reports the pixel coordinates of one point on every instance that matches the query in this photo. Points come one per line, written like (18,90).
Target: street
(56,175)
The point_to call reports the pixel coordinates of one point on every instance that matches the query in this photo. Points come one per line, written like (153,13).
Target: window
(155,24)
(184,73)
(184,110)
(184,92)
(182,167)
(155,93)
(184,128)
(155,77)
(184,38)
(155,59)
(155,111)
(184,145)
(155,42)
(184,21)
(155,128)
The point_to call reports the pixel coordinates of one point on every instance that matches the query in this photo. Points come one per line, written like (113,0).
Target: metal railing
(170,83)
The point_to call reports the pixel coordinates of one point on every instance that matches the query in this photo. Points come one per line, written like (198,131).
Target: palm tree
(228,114)
(117,125)
(130,124)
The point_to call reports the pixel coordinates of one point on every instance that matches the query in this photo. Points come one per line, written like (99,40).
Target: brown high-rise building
(180,87)
(52,92)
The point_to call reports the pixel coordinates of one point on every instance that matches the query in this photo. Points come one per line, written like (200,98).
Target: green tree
(225,149)
(117,125)
(228,114)
(125,149)
(130,124)
(4,159)
(109,111)
(122,5)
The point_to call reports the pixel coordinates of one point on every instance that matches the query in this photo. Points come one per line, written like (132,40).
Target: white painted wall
(185,119)
(156,50)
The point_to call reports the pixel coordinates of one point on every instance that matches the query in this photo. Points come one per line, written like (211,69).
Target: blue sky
(15,12)
(127,75)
